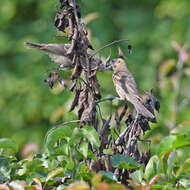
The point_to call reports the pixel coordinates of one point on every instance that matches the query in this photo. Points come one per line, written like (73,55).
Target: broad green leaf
(182,141)
(152,168)
(137,176)
(124,162)
(185,183)
(70,165)
(170,162)
(109,175)
(181,129)
(92,136)
(166,145)
(53,136)
(185,167)
(54,173)
(84,149)
(8,143)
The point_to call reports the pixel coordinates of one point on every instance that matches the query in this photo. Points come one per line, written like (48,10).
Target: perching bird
(57,53)
(126,87)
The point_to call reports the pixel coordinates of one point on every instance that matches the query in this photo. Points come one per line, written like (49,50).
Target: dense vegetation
(29,108)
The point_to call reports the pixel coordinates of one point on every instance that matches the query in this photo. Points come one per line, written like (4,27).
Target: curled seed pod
(76,71)
(75,100)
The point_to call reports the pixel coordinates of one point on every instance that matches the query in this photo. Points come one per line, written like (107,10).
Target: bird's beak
(110,64)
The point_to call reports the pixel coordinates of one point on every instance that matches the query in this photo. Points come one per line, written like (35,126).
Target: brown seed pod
(75,100)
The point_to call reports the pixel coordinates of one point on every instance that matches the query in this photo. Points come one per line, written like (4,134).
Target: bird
(126,87)
(57,53)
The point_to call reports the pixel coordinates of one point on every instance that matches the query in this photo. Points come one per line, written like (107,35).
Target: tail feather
(33,45)
(140,108)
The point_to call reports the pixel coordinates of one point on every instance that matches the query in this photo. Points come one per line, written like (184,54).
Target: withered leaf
(75,100)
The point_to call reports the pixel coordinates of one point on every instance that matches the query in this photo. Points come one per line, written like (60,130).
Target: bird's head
(116,64)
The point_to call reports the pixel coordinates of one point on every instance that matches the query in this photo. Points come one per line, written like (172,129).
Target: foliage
(28,107)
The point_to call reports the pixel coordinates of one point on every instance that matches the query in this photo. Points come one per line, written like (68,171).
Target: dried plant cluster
(87,95)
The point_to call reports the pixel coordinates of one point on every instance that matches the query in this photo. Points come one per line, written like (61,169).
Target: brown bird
(126,87)
(57,53)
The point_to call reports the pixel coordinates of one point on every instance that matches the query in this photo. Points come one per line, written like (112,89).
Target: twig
(111,98)
(131,133)
(67,122)
(110,44)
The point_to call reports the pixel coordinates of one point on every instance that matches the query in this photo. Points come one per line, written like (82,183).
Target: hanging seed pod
(76,71)
(75,100)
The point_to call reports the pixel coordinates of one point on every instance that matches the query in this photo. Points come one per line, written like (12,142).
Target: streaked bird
(57,53)
(126,87)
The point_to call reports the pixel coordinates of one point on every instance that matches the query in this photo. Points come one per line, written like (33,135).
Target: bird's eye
(157,105)
(149,100)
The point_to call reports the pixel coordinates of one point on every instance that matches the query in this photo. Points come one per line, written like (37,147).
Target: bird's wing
(126,81)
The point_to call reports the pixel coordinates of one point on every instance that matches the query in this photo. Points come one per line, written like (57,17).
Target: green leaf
(92,136)
(185,183)
(166,145)
(8,143)
(70,165)
(84,149)
(170,162)
(124,162)
(152,168)
(137,176)
(184,168)
(54,173)
(109,175)
(53,136)
(182,141)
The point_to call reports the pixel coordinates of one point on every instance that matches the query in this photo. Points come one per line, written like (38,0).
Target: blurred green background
(28,108)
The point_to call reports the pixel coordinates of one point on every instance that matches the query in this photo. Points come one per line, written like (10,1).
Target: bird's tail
(141,109)
(33,45)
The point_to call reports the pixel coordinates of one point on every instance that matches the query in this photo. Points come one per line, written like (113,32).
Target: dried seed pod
(88,114)
(61,22)
(73,42)
(75,100)
(76,71)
